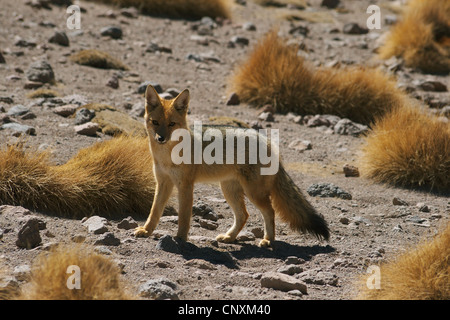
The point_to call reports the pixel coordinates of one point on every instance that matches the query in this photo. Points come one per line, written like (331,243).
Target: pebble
(18,110)
(399,202)
(167,243)
(266,116)
(423,207)
(300,145)
(354,28)
(113,82)
(350,171)
(294,260)
(318,277)
(96,224)
(22,272)
(233,99)
(87,129)
(127,223)
(208,224)
(40,71)
(348,127)
(200,264)
(143,86)
(84,115)
(249,26)
(159,289)
(111,31)
(18,129)
(282,282)
(107,239)
(154,47)
(435,86)
(59,38)
(245,236)
(328,190)
(331,4)
(65,110)
(290,269)
(241,41)
(28,236)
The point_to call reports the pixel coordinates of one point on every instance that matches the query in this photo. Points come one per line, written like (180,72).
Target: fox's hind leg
(234,194)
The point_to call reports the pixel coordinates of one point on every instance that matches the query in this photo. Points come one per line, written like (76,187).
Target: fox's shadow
(231,258)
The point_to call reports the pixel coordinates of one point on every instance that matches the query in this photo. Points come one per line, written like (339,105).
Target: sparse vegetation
(42,93)
(182,9)
(274,74)
(422,36)
(97,59)
(421,273)
(410,148)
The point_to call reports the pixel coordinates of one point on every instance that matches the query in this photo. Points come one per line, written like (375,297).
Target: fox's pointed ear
(181,102)
(151,98)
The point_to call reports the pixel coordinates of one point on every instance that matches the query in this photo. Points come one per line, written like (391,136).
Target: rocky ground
(371,224)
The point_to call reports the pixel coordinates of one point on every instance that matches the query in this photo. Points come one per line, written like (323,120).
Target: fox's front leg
(163,191)
(185,202)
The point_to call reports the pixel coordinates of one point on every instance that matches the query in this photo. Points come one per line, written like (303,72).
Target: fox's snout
(160,139)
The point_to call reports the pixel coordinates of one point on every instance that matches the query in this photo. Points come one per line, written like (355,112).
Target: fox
(273,194)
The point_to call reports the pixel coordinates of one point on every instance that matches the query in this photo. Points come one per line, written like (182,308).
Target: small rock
(266,116)
(96,225)
(107,239)
(18,129)
(319,277)
(40,71)
(28,236)
(65,110)
(154,47)
(158,289)
(22,272)
(354,28)
(208,224)
(435,86)
(127,224)
(2,58)
(233,100)
(201,209)
(328,190)
(350,171)
(299,30)
(283,282)
(300,145)
(59,38)
(111,31)
(18,110)
(331,4)
(130,12)
(143,86)
(168,243)
(294,260)
(399,202)
(87,129)
(84,115)
(200,264)
(290,269)
(245,236)
(113,82)
(242,41)
(249,26)
(344,220)
(258,232)
(32,84)
(423,207)
(348,127)
(9,287)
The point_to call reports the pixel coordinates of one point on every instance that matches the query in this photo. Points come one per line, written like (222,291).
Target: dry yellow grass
(409,148)
(97,59)
(52,280)
(422,37)
(422,273)
(109,178)
(182,9)
(274,74)
(42,93)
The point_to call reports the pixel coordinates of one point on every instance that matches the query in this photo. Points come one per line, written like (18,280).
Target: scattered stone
(130,12)
(18,129)
(233,100)
(87,129)
(9,287)
(299,30)
(154,47)
(107,239)
(158,289)
(32,84)
(22,272)
(348,127)
(96,225)
(65,110)
(113,82)
(399,202)
(319,277)
(331,4)
(258,232)
(290,269)
(294,260)
(59,38)
(354,28)
(328,190)
(18,110)
(208,224)
(200,264)
(84,115)
(127,223)
(28,236)
(40,71)
(241,41)
(25,43)
(423,207)
(435,86)
(8,100)
(2,58)
(245,236)
(78,238)
(300,145)
(283,282)
(249,26)
(350,171)
(111,31)
(201,209)
(266,116)
(167,243)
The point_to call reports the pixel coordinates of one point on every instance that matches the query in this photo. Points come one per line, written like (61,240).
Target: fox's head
(163,116)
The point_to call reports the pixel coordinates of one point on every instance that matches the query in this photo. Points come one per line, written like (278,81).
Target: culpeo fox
(275,193)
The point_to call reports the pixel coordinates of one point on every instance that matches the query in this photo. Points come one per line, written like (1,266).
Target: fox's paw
(224,238)
(264,243)
(141,232)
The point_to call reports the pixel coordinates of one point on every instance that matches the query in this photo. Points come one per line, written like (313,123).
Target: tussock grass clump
(42,93)
(274,74)
(422,273)
(422,36)
(409,148)
(97,59)
(110,178)
(181,9)
(99,276)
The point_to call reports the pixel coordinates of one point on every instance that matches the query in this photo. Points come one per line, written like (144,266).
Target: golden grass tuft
(181,9)
(110,178)
(422,273)
(274,74)
(42,93)
(99,276)
(422,37)
(408,148)
(97,59)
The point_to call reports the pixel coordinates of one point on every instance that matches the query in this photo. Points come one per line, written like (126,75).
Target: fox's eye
(155,122)
(171,124)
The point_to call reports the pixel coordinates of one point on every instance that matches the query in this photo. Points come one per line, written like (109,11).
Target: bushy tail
(290,204)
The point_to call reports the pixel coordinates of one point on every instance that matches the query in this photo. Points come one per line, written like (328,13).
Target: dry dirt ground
(364,231)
